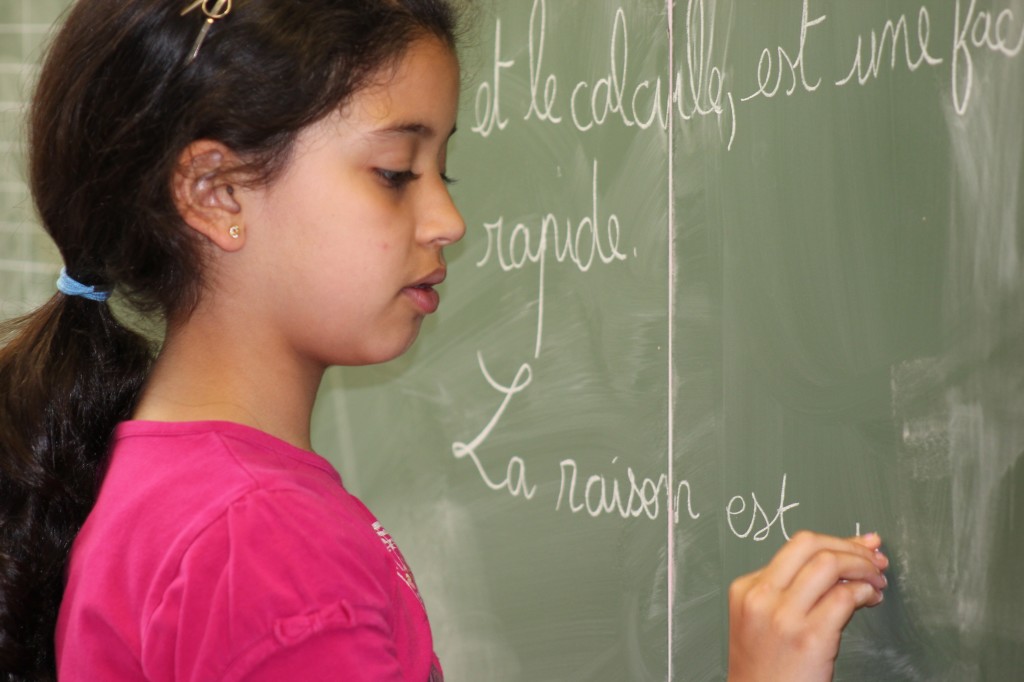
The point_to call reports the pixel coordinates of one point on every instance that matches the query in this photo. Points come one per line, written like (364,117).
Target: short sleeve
(278,582)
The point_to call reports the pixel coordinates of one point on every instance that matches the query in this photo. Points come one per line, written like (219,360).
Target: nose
(442,223)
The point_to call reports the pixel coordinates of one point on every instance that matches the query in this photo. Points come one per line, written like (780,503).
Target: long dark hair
(116,104)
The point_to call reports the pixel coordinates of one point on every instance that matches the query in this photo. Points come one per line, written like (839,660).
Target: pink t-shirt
(218,552)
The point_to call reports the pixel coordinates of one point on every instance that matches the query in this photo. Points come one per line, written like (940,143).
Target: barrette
(218,10)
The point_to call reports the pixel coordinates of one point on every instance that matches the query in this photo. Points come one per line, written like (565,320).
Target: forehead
(415,99)
(422,88)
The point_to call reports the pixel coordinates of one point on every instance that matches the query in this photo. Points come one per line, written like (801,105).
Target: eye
(446,179)
(396,179)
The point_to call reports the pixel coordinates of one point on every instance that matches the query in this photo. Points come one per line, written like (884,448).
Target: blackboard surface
(733,269)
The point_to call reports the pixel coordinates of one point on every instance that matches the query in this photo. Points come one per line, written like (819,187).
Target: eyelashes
(399,179)
(396,179)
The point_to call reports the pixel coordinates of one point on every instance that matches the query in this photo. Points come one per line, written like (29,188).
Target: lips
(422,293)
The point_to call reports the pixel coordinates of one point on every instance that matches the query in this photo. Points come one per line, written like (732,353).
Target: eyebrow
(413,128)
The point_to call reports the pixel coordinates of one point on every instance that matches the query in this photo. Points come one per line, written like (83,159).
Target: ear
(204,196)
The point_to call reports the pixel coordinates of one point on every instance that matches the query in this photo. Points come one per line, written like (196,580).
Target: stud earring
(235,231)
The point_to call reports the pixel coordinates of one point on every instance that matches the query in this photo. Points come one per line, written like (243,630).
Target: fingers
(837,606)
(828,568)
(870,540)
(796,554)
(787,618)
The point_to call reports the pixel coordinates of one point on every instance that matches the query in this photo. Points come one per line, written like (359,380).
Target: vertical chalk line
(670,573)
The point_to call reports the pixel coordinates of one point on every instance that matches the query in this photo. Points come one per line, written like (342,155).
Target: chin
(384,352)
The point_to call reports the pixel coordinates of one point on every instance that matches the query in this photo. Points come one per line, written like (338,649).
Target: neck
(207,370)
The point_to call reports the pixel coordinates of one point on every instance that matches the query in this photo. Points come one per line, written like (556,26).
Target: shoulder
(267,529)
(200,450)
(167,482)
(236,493)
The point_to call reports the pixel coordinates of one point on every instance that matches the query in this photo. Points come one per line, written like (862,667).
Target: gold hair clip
(219,10)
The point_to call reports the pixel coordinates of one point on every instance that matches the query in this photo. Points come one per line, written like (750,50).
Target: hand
(786,619)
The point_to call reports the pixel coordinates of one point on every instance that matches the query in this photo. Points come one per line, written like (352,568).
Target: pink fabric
(217,552)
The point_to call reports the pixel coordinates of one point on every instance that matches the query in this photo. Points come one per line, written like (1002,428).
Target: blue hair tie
(69,286)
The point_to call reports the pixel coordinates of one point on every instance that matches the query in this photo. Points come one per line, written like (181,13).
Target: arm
(786,619)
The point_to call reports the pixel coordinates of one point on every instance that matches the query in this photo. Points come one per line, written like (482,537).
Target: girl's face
(345,247)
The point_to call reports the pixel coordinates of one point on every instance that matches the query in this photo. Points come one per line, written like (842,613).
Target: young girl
(268,178)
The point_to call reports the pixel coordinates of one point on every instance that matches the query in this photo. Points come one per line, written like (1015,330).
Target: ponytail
(68,373)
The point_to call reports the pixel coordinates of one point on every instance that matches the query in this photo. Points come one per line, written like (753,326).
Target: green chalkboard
(733,269)
(761,258)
